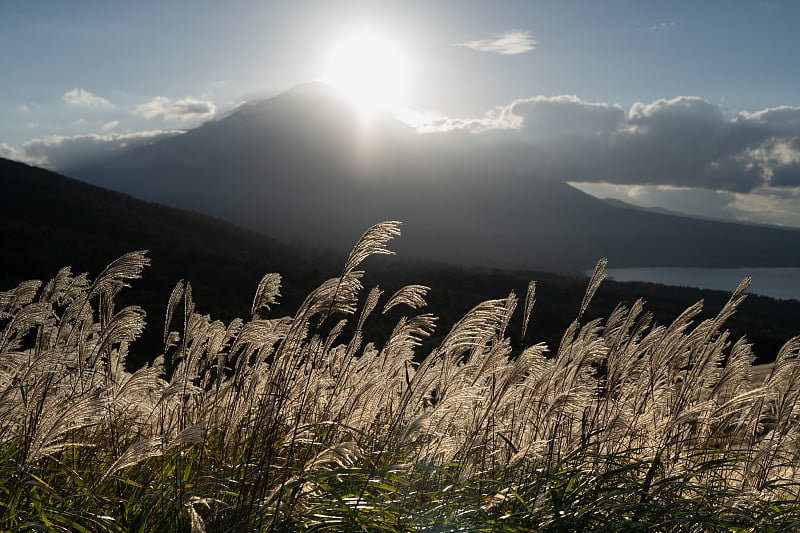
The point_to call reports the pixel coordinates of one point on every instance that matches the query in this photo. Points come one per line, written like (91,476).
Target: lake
(783,283)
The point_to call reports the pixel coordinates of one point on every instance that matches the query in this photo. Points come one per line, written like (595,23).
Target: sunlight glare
(370,70)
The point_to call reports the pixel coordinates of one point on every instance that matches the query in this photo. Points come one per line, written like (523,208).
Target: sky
(690,106)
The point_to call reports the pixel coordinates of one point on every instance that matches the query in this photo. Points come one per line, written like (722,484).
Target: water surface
(783,283)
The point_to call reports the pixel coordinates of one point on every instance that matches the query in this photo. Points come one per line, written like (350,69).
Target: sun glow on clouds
(370,70)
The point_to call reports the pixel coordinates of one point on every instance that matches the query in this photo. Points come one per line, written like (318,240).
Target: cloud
(539,119)
(509,43)
(9,152)
(661,26)
(108,126)
(82,97)
(550,118)
(681,142)
(768,205)
(493,121)
(186,108)
(62,152)
(687,200)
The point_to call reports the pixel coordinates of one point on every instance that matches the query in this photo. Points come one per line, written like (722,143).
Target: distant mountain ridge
(303,166)
(672,212)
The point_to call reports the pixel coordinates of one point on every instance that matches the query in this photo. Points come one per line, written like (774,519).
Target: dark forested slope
(49,221)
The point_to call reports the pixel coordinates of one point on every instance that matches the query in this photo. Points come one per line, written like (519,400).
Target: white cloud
(83,97)
(155,107)
(682,153)
(547,118)
(682,142)
(186,108)
(498,119)
(539,118)
(108,126)
(661,26)
(769,206)
(9,152)
(61,152)
(509,43)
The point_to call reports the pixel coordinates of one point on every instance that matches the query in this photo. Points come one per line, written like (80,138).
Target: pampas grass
(281,424)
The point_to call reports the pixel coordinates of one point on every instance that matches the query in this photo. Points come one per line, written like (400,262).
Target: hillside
(52,221)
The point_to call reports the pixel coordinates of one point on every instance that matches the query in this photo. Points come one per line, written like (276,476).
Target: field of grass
(300,423)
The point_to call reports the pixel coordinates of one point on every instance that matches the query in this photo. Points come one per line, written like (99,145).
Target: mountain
(304,166)
(50,221)
(664,211)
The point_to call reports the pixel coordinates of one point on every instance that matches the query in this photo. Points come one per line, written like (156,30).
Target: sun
(370,70)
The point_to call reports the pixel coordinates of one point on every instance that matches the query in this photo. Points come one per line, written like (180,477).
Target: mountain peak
(315,89)
(318,105)
(303,166)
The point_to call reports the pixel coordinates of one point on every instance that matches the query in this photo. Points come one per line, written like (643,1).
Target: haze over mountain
(305,166)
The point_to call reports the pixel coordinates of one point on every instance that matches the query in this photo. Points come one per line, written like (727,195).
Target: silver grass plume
(336,295)
(191,435)
(366,309)
(341,455)
(125,326)
(140,390)
(174,298)
(530,299)
(340,295)
(57,417)
(594,283)
(56,288)
(511,306)
(733,303)
(195,520)
(129,266)
(267,293)
(478,325)
(410,295)
(408,333)
(368,306)
(23,321)
(259,334)
(372,242)
(136,453)
(13,300)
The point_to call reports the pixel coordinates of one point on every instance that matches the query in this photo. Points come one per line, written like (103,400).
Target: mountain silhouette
(305,166)
(50,221)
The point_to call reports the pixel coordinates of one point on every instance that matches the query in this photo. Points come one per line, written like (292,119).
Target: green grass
(280,423)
